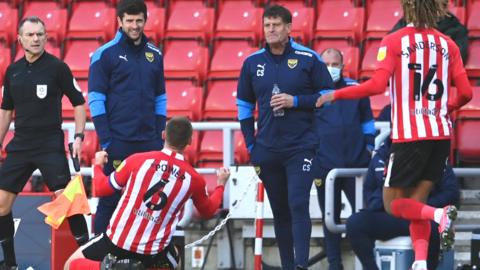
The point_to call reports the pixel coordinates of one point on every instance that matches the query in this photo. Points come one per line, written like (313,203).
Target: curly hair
(423,13)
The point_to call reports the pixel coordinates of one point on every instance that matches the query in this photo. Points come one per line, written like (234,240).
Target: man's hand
(323,99)
(101,157)
(223,175)
(77,148)
(281,101)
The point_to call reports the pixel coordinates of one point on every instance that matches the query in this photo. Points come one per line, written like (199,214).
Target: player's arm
(207,205)
(246,105)
(459,75)
(107,185)
(98,84)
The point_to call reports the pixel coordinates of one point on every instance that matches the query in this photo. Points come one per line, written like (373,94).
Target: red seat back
(185,59)
(473,63)
(77,56)
(239,19)
(54,17)
(351,54)
(92,19)
(8,21)
(228,58)
(220,102)
(191,19)
(184,99)
(382,16)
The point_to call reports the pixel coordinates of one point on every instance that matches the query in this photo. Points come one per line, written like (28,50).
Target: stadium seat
(239,19)
(348,23)
(155,26)
(369,61)
(302,19)
(473,63)
(68,112)
(220,100)
(54,17)
(77,56)
(351,54)
(92,19)
(8,21)
(191,151)
(458,11)
(378,102)
(5,60)
(211,149)
(467,124)
(191,19)
(382,16)
(185,59)
(228,57)
(50,47)
(184,99)
(473,20)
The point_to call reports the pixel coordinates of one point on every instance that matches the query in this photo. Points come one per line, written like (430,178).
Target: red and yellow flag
(72,201)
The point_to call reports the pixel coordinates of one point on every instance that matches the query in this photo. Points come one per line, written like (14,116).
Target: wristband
(79,135)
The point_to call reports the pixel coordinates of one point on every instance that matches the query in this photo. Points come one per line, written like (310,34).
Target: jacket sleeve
(98,81)
(447,191)
(161,100)
(368,123)
(373,186)
(321,80)
(246,104)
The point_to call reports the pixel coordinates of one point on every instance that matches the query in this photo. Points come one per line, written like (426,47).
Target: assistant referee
(33,89)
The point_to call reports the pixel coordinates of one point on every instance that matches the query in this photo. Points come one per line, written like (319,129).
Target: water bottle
(276,91)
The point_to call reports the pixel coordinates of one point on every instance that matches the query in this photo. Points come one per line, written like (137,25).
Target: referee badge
(292,63)
(149,56)
(41,91)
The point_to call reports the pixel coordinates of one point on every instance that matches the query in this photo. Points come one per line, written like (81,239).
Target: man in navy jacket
(284,146)
(346,134)
(126,96)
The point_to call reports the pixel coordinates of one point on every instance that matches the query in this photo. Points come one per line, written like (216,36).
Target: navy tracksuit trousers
(288,178)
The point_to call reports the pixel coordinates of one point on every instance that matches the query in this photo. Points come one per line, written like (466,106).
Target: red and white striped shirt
(420,64)
(157,185)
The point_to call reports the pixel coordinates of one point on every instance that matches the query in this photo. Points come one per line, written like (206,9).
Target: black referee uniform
(34,91)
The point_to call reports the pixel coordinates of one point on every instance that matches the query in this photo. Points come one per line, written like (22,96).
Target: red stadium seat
(459,12)
(5,60)
(473,63)
(184,99)
(54,17)
(348,23)
(67,108)
(155,26)
(382,16)
(369,61)
(77,56)
(378,102)
(8,21)
(228,58)
(351,54)
(239,19)
(190,19)
(185,59)
(220,101)
(473,21)
(302,20)
(211,149)
(191,151)
(92,19)
(467,124)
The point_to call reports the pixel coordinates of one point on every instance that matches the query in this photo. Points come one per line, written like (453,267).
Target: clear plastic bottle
(275,91)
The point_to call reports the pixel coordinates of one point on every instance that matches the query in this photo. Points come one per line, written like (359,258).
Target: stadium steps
(469,214)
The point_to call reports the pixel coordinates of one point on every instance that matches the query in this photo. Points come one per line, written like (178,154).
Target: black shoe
(3,266)
(110,262)
(81,240)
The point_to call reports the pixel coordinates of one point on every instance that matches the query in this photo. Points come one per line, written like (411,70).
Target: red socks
(411,209)
(420,235)
(84,264)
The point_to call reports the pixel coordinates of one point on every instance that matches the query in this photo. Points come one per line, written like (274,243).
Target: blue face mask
(335,72)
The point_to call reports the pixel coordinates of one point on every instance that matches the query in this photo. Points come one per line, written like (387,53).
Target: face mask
(336,73)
